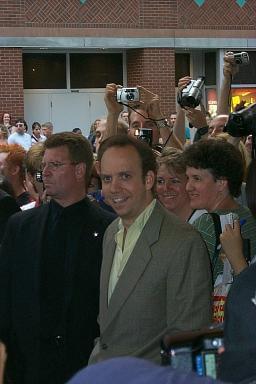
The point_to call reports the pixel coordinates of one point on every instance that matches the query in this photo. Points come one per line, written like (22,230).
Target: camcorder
(241,58)
(126,95)
(242,123)
(145,134)
(194,351)
(191,95)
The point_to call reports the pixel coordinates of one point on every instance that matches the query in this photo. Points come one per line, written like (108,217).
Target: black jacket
(8,207)
(20,275)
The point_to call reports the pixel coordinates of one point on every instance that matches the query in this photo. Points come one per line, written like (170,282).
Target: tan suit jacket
(165,287)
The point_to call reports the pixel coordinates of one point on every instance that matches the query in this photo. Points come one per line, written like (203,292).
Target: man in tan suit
(155,276)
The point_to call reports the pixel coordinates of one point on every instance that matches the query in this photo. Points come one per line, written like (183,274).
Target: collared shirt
(125,246)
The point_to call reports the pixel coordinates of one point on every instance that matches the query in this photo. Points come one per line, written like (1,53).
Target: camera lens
(130,96)
(238,119)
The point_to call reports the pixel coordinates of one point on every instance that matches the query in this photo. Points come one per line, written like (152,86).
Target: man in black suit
(49,271)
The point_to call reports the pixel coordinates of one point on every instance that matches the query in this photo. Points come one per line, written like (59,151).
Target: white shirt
(23,139)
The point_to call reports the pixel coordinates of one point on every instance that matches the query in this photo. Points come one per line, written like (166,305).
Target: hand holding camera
(230,66)
(110,99)
(140,95)
(191,95)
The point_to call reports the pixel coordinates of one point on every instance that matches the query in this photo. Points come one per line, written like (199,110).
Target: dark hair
(79,148)
(6,113)
(75,130)
(250,187)
(22,121)
(146,155)
(220,158)
(35,124)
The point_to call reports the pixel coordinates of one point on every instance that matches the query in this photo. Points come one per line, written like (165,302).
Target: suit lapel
(108,255)
(40,222)
(137,263)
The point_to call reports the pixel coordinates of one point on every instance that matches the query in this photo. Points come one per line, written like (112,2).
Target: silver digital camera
(124,95)
(241,58)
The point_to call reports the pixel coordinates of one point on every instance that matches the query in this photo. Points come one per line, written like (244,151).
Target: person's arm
(230,68)
(232,244)
(114,108)
(3,357)
(153,107)
(179,128)
(190,286)
(197,118)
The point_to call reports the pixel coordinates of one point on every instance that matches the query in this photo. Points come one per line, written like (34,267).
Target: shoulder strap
(218,230)
(217,227)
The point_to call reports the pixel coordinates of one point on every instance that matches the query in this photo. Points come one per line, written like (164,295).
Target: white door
(66,110)
(70,110)
(36,108)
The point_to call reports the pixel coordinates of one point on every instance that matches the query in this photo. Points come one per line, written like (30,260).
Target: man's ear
(150,180)
(80,170)
(222,184)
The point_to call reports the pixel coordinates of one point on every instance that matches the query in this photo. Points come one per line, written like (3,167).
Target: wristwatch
(163,123)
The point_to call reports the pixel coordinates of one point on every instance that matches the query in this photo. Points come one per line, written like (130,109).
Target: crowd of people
(111,242)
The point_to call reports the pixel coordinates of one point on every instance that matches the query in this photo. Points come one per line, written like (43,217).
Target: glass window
(210,68)
(247,73)
(88,70)
(44,71)
(242,96)
(211,101)
(182,66)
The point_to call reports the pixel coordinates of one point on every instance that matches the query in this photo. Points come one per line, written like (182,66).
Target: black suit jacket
(20,261)
(8,207)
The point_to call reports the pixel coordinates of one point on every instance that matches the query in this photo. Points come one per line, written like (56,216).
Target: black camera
(191,95)
(241,58)
(145,134)
(194,351)
(242,123)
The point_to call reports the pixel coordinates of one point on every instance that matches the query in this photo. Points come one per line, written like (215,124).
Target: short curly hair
(220,158)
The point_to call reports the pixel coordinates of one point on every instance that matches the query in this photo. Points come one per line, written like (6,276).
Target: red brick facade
(11,80)
(153,68)
(169,14)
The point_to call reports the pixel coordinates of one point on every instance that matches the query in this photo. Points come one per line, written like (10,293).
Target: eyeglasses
(19,125)
(54,165)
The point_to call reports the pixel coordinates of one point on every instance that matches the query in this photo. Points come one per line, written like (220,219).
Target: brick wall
(160,14)
(11,81)
(216,14)
(12,13)
(155,70)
